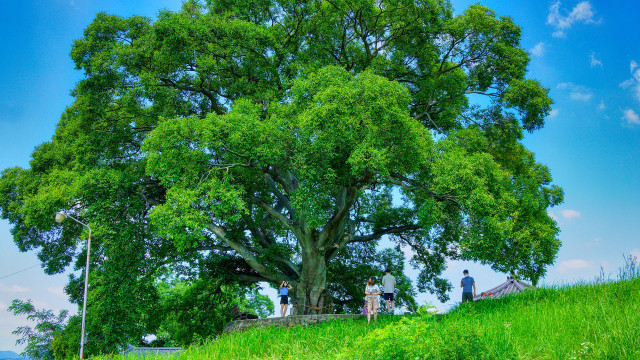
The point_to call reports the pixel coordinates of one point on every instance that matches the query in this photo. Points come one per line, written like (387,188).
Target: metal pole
(84,301)
(86,285)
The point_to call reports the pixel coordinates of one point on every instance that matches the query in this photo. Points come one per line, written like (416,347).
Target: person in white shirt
(372,291)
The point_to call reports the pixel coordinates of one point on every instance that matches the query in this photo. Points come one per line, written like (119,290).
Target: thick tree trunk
(311,295)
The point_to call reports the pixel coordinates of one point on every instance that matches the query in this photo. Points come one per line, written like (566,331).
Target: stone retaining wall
(285,321)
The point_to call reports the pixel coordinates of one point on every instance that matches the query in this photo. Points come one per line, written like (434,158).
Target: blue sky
(586,52)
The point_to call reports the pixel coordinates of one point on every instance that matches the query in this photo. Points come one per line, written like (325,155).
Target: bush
(427,336)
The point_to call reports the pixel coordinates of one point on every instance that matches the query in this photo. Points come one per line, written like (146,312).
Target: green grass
(589,321)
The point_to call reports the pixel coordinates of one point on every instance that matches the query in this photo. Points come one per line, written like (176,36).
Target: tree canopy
(262,140)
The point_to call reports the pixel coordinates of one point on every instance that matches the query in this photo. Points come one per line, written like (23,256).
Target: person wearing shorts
(467,284)
(372,291)
(284,297)
(389,284)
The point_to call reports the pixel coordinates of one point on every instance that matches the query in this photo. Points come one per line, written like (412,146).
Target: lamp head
(60,217)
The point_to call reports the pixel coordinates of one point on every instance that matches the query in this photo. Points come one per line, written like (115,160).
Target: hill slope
(592,321)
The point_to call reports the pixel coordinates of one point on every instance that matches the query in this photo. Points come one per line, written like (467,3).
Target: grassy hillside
(591,321)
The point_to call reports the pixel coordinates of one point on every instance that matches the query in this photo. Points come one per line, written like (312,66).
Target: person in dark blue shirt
(467,284)
(284,297)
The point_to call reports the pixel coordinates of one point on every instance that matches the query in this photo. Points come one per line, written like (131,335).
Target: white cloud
(553,215)
(581,96)
(634,82)
(13,289)
(631,117)
(553,113)
(594,61)
(577,92)
(625,84)
(58,291)
(574,264)
(570,214)
(602,106)
(636,254)
(582,13)
(538,49)
(595,242)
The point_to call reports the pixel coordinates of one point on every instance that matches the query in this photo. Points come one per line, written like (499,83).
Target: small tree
(193,310)
(38,339)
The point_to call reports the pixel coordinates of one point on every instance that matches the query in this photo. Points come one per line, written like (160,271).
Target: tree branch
(410,184)
(428,116)
(379,233)
(213,247)
(214,102)
(250,278)
(287,180)
(370,237)
(281,197)
(229,166)
(481,93)
(276,215)
(246,254)
(293,267)
(345,199)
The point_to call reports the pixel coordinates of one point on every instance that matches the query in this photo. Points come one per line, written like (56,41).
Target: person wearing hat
(467,284)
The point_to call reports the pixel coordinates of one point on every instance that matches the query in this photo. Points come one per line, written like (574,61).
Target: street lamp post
(60,218)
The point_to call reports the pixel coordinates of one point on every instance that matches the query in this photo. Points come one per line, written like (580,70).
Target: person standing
(467,284)
(372,291)
(389,285)
(284,297)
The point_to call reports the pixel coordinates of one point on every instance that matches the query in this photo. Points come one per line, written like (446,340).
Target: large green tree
(260,139)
